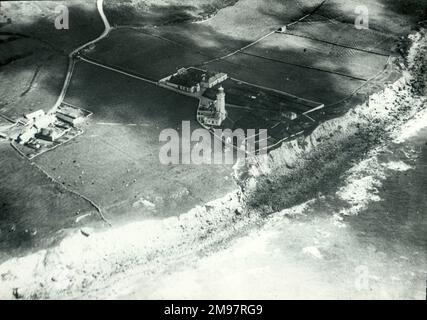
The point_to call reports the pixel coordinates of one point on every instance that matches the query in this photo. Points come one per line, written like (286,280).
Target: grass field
(314,54)
(36,20)
(193,43)
(32,208)
(345,34)
(147,55)
(388,17)
(31,83)
(161,12)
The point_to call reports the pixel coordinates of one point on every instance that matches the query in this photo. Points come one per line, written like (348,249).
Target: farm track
(118,70)
(72,54)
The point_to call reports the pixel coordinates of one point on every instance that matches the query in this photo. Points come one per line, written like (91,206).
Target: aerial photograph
(213,150)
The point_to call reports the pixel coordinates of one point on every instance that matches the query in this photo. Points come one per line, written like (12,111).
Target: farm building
(192,80)
(209,81)
(290,115)
(70,115)
(50,134)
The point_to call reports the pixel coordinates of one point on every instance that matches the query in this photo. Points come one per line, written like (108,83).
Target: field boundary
(92,203)
(305,67)
(262,38)
(336,44)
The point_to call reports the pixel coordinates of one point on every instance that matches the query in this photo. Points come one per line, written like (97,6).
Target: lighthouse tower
(220,103)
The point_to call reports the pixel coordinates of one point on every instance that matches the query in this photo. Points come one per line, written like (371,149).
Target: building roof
(35,114)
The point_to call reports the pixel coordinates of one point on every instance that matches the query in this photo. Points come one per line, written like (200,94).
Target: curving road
(72,54)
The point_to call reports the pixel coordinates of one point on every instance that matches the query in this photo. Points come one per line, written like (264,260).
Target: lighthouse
(220,103)
(212,113)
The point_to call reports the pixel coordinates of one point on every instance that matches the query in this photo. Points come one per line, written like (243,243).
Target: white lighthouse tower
(220,103)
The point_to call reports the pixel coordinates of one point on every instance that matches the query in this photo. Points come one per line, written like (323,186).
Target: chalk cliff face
(300,168)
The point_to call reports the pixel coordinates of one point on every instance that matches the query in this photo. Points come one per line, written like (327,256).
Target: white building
(220,102)
(290,115)
(213,80)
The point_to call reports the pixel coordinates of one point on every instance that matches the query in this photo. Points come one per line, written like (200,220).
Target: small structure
(50,134)
(27,134)
(290,115)
(282,29)
(34,115)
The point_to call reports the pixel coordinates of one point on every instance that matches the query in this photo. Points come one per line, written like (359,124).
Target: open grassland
(245,17)
(31,83)
(36,20)
(396,17)
(162,12)
(32,207)
(319,28)
(144,54)
(326,57)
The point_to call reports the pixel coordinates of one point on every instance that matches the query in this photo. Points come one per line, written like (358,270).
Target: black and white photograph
(215,150)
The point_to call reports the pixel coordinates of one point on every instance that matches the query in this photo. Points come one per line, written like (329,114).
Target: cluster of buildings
(195,81)
(49,126)
(209,86)
(35,122)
